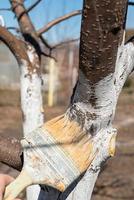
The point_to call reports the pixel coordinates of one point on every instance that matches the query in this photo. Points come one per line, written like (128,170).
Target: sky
(48,10)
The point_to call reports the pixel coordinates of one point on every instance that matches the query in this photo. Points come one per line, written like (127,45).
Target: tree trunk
(31,103)
(96,94)
(28,57)
(99,83)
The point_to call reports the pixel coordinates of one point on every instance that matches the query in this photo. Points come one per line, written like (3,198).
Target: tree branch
(49,48)
(45,42)
(14,28)
(58,20)
(26,26)
(131,3)
(5,9)
(49,56)
(30,8)
(11,152)
(16,46)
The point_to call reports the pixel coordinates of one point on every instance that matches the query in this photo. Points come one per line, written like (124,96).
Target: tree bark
(11,152)
(26,26)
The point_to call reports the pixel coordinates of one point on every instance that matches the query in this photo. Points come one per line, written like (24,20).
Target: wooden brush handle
(17,186)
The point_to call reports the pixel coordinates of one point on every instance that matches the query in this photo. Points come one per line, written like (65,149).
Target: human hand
(4,181)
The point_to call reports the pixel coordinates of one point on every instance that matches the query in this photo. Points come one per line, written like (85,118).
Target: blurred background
(116,180)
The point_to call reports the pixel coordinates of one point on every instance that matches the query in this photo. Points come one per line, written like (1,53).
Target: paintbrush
(57,154)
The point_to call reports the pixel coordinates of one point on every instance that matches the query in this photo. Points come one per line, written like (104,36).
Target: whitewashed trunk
(110,93)
(31,103)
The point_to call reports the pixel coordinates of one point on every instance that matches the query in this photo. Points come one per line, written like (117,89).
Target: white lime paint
(107,91)
(31,100)
(31,104)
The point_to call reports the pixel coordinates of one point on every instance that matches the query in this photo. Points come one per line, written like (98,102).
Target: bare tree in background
(105,63)
(28,50)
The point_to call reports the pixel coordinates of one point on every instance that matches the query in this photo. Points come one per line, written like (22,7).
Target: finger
(4,180)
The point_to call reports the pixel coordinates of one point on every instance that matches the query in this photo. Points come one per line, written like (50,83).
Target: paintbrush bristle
(72,139)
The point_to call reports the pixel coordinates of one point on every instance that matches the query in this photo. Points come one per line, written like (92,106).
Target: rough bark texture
(11,152)
(102,29)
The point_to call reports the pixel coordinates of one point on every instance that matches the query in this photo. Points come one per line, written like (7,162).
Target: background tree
(102,73)
(28,50)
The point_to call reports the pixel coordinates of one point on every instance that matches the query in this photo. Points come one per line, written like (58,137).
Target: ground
(116,180)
